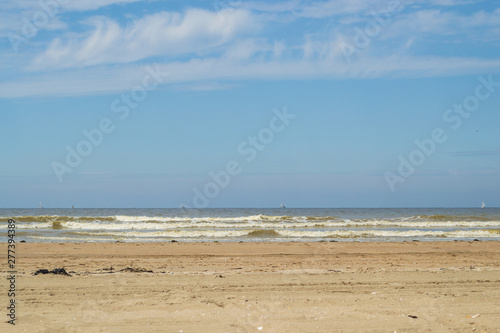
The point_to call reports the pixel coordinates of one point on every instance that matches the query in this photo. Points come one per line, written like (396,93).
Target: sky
(130,103)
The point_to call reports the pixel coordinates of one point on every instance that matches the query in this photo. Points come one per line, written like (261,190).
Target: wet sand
(257,287)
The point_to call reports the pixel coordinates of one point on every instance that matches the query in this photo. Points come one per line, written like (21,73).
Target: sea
(253,224)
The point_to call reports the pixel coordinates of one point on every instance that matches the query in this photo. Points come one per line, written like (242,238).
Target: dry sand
(258,287)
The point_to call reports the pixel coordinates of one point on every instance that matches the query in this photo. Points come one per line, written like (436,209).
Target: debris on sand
(57,271)
(474,316)
(135,270)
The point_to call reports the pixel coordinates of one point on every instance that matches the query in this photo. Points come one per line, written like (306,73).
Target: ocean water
(252,225)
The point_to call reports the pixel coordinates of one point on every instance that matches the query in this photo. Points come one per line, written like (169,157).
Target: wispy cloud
(319,9)
(102,79)
(66,5)
(162,34)
(105,54)
(315,9)
(451,2)
(15,14)
(438,22)
(248,48)
(86,5)
(205,86)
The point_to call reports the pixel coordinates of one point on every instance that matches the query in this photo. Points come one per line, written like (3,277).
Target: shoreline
(241,287)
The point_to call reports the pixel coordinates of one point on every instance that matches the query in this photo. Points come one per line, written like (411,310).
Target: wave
(257,219)
(56,218)
(440,217)
(389,233)
(250,218)
(154,225)
(263,233)
(254,227)
(288,234)
(169,234)
(223,223)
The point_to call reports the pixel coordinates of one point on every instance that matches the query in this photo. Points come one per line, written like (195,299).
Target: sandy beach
(257,287)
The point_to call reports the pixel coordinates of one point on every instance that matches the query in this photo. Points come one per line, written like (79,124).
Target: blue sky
(314,103)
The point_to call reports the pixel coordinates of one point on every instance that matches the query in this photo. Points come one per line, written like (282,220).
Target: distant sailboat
(182,206)
(483,205)
(282,206)
(40,205)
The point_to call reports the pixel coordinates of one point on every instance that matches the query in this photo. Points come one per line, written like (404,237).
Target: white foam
(311,221)
(142,223)
(174,234)
(32,225)
(251,218)
(73,239)
(387,233)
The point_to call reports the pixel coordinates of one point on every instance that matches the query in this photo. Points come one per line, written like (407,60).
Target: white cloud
(479,25)
(318,9)
(246,49)
(321,48)
(115,80)
(278,48)
(205,86)
(333,7)
(452,2)
(199,46)
(44,14)
(78,5)
(66,5)
(162,34)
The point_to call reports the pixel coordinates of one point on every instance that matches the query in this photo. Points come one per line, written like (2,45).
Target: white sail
(483,205)
(282,206)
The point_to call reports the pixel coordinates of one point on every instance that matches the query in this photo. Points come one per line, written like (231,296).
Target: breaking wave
(205,226)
